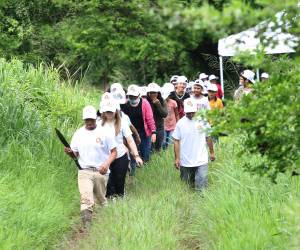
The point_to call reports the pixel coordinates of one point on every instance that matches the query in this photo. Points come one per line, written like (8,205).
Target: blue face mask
(134,102)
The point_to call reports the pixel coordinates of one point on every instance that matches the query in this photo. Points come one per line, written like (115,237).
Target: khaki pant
(91,185)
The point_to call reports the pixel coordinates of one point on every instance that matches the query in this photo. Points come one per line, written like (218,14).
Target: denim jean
(195,176)
(167,139)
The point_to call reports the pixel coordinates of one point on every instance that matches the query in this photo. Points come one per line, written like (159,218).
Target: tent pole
(257,75)
(221,75)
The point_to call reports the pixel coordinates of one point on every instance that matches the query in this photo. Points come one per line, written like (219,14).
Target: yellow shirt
(216,104)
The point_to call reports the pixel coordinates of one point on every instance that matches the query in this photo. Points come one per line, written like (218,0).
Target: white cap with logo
(108,106)
(213,77)
(189,105)
(133,90)
(248,74)
(182,79)
(116,87)
(153,87)
(212,87)
(143,90)
(119,96)
(203,76)
(89,112)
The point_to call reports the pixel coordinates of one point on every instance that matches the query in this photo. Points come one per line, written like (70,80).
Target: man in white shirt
(200,100)
(95,151)
(190,139)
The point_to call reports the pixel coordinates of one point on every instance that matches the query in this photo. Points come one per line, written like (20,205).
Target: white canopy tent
(250,41)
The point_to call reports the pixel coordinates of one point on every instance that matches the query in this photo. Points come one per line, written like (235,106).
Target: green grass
(237,211)
(38,183)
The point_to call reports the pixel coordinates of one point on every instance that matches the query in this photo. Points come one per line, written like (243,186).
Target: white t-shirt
(125,118)
(125,131)
(192,136)
(201,102)
(93,146)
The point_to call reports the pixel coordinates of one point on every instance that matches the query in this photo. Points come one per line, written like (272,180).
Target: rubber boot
(86,216)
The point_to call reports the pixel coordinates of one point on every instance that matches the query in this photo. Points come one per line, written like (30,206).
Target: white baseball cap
(116,87)
(182,79)
(108,106)
(89,112)
(248,74)
(212,87)
(153,87)
(202,76)
(106,96)
(119,96)
(200,83)
(143,90)
(169,86)
(265,75)
(213,77)
(189,105)
(174,78)
(165,92)
(133,90)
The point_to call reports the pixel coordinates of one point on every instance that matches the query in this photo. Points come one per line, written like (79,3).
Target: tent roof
(248,40)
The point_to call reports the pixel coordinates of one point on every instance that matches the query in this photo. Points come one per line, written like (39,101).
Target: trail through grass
(237,211)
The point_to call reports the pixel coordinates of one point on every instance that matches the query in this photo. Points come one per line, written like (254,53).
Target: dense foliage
(136,41)
(268,120)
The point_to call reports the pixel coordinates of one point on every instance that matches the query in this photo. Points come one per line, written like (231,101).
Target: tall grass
(237,211)
(38,186)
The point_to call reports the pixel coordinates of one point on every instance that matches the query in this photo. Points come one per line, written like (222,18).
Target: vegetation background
(57,55)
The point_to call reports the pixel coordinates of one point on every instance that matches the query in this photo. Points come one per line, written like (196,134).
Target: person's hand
(153,138)
(69,151)
(154,101)
(139,161)
(103,168)
(138,140)
(212,156)
(177,164)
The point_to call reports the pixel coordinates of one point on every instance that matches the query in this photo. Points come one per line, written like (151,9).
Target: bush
(268,120)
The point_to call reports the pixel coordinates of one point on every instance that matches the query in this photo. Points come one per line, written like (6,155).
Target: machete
(64,141)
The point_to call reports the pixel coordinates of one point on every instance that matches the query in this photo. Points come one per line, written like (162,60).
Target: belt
(91,169)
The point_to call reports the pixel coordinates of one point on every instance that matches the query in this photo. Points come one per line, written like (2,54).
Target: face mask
(134,102)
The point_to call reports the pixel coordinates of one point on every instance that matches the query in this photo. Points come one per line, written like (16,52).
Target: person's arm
(177,153)
(135,134)
(211,148)
(71,153)
(162,108)
(176,114)
(134,151)
(149,120)
(105,165)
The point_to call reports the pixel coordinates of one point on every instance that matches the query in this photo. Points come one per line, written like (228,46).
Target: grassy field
(38,183)
(237,211)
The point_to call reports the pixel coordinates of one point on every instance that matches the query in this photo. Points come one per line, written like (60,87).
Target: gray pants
(195,176)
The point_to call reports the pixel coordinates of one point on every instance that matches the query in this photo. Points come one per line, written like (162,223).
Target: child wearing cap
(190,139)
(160,111)
(95,151)
(214,101)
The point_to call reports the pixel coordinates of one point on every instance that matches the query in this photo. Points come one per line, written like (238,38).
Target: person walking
(113,124)
(213,80)
(190,139)
(160,111)
(179,95)
(95,151)
(141,116)
(198,96)
(214,101)
(246,80)
(172,117)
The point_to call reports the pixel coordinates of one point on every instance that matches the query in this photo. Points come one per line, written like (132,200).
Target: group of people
(133,123)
